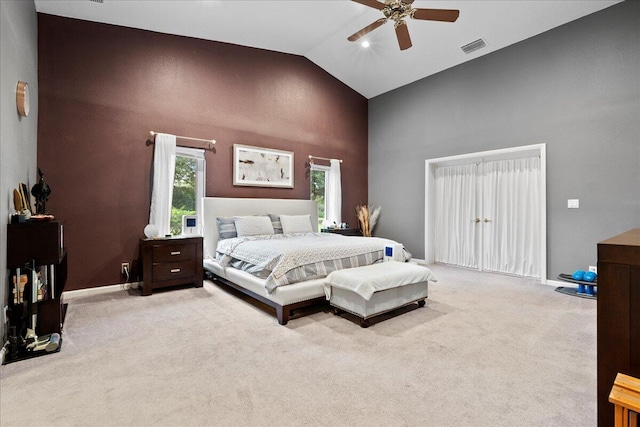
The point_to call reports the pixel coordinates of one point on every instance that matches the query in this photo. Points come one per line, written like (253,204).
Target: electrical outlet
(124,268)
(593,269)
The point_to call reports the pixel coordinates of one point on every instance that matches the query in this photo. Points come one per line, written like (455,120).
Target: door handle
(487,220)
(477,220)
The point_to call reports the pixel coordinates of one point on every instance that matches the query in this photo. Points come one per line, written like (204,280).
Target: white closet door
(456,201)
(511,223)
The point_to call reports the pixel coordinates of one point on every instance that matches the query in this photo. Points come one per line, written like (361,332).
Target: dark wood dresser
(618,315)
(170,262)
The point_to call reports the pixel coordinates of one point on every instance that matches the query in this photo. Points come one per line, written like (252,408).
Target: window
(318,190)
(188,186)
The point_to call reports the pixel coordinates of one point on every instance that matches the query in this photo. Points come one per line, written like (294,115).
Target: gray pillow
(226,228)
(275,221)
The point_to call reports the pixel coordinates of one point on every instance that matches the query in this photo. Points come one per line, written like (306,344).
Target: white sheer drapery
(333,193)
(455,211)
(164,164)
(511,204)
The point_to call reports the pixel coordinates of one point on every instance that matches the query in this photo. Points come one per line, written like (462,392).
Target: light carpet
(487,350)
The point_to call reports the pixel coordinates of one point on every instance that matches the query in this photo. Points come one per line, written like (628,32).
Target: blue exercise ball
(578,275)
(589,276)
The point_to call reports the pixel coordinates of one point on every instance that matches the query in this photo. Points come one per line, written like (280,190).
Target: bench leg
(364,323)
(421,303)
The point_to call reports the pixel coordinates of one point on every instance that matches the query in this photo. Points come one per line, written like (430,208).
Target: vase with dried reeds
(368,218)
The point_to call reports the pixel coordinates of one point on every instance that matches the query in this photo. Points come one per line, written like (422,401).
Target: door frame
(482,156)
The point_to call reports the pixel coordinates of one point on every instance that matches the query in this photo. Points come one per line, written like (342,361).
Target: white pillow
(296,223)
(253,225)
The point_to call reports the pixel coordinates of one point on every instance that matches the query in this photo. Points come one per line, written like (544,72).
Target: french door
(456,200)
(487,215)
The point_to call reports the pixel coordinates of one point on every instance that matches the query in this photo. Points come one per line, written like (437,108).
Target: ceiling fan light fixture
(365,43)
(397,11)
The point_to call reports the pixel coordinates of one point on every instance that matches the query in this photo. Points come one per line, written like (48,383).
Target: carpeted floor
(487,350)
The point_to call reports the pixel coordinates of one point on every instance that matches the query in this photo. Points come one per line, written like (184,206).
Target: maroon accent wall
(102,88)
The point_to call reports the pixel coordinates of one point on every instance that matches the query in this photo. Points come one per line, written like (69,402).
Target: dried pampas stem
(367,218)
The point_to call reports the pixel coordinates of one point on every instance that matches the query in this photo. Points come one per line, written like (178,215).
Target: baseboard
(81,293)
(556,283)
(419,261)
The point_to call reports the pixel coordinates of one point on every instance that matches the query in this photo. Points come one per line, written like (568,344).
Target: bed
(281,288)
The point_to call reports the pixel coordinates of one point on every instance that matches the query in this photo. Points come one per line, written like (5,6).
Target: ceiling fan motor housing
(397,10)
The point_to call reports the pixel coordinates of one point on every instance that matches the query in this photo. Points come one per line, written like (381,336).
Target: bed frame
(214,207)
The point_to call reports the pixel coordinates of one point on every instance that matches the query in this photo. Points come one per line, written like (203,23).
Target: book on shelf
(18,288)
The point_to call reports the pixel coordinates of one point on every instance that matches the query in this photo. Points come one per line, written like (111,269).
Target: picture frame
(25,196)
(262,167)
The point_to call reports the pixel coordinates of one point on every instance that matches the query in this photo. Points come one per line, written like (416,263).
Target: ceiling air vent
(97,1)
(473,46)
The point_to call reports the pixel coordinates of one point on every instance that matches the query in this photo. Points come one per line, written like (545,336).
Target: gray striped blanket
(289,258)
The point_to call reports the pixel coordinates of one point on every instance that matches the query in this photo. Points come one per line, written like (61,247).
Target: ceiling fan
(397,10)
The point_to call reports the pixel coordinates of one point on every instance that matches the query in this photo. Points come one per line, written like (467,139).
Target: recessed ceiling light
(365,43)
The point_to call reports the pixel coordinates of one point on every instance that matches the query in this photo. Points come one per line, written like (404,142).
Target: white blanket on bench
(377,277)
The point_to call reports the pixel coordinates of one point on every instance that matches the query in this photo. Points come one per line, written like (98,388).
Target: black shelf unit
(35,250)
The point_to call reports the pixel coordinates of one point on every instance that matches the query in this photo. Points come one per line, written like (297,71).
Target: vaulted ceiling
(318,30)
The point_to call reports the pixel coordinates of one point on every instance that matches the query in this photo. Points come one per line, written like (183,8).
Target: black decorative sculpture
(41,192)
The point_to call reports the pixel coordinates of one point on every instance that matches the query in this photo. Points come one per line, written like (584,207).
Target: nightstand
(170,261)
(343,231)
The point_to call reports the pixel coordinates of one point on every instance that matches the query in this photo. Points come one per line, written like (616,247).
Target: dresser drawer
(173,270)
(175,252)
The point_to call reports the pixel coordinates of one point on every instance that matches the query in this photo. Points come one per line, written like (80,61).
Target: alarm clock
(189,225)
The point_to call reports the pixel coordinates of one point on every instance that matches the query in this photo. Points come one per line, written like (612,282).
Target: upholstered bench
(376,289)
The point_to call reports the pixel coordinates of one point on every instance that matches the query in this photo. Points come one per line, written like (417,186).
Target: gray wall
(18,61)
(575,88)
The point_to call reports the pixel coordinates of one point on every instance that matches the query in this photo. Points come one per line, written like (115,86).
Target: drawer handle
(175,270)
(175,253)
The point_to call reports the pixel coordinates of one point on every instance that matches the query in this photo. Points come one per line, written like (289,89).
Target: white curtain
(333,193)
(455,212)
(164,165)
(511,204)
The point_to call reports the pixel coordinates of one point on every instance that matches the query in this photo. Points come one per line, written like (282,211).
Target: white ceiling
(318,30)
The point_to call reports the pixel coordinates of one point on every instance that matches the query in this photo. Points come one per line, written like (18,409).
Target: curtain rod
(322,158)
(210,141)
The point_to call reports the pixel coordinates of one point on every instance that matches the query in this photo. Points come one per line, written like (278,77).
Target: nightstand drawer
(174,253)
(173,270)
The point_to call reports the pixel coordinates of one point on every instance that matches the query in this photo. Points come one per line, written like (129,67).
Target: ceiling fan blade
(372,3)
(367,29)
(408,1)
(402,32)
(444,15)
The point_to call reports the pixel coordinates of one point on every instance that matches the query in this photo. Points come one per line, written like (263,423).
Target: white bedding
(289,258)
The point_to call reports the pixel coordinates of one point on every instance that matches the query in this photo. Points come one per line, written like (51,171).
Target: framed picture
(262,167)
(25,196)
